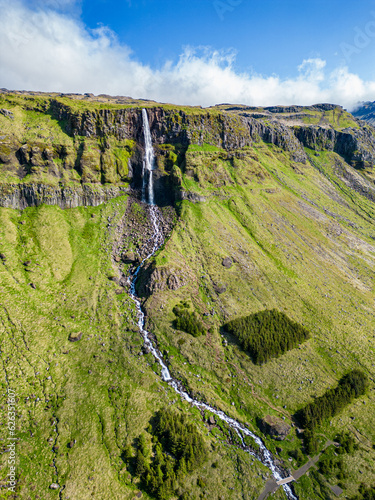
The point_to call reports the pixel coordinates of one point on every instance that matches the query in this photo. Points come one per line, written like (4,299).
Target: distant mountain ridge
(366,112)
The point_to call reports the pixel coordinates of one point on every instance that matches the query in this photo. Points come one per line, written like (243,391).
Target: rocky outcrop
(187,195)
(160,279)
(274,427)
(356,146)
(166,125)
(227,262)
(299,109)
(20,196)
(276,133)
(98,123)
(7,113)
(103,148)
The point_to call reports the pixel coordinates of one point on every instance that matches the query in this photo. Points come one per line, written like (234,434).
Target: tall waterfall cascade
(157,239)
(148,162)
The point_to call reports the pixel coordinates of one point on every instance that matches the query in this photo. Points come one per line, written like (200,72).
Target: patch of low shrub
(187,321)
(267,334)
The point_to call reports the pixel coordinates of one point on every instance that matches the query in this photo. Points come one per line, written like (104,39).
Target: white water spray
(148,161)
(158,239)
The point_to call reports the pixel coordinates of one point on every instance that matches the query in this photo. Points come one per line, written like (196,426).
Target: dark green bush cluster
(298,455)
(347,443)
(365,493)
(187,321)
(177,450)
(330,466)
(267,334)
(350,386)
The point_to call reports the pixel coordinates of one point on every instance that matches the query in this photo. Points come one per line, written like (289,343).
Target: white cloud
(45,49)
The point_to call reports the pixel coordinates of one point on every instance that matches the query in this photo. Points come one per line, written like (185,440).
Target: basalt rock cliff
(70,151)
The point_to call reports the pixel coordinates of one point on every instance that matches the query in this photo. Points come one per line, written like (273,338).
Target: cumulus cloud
(50,50)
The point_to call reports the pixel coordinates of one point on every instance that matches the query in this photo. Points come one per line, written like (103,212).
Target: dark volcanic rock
(20,196)
(160,279)
(356,146)
(194,197)
(278,134)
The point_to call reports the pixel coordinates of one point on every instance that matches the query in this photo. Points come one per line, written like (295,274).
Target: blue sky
(269,36)
(193,52)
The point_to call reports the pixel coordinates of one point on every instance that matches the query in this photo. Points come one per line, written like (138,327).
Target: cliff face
(55,151)
(356,146)
(21,196)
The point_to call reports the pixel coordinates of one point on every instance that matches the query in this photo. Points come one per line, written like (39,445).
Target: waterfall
(148,162)
(158,239)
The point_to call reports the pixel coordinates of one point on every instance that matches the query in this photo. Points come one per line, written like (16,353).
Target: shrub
(187,321)
(177,450)
(267,334)
(347,443)
(350,386)
(365,493)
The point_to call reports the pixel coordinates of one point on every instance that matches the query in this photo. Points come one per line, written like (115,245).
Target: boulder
(74,337)
(274,427)
(227,262)
(220,288)
(54,486)
(115,279)
(129,258)
(7,113)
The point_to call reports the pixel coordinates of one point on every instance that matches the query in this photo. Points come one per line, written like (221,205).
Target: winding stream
(264,455)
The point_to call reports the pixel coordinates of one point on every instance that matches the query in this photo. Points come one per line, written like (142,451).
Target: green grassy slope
(301,241)
(80,404)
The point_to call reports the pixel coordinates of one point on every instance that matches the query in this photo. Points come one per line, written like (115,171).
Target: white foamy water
(265,455)
(148,162)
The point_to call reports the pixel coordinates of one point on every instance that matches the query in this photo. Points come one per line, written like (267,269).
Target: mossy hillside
(50,155)
(90,408)
(337,118)
(98,393)
(301,241)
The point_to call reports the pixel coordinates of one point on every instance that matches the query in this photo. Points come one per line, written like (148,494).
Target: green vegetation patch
(188,321)
(178,449)
(351,386)
(365,493)
(267,334)
(204,147)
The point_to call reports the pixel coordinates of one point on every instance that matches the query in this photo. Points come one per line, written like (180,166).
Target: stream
(264,455)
